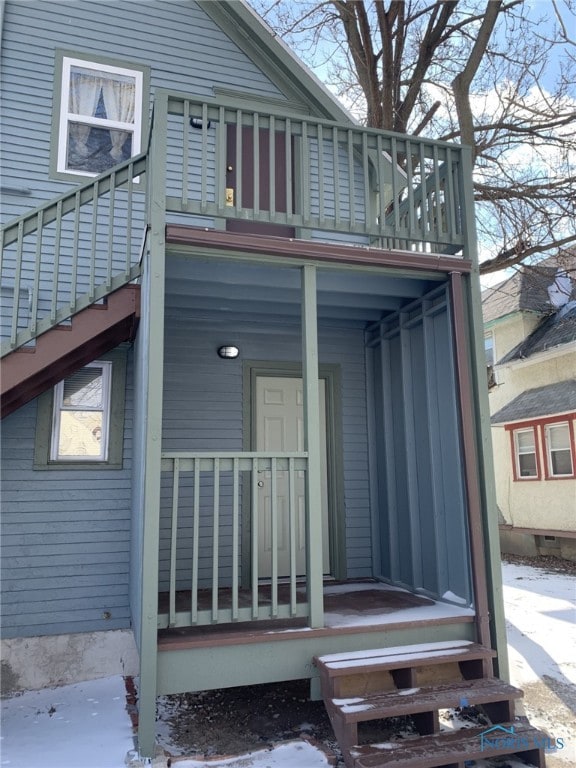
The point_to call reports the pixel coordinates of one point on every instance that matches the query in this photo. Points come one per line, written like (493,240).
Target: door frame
(330,373)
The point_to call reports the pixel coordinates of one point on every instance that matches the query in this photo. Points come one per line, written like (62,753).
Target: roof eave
(260,43)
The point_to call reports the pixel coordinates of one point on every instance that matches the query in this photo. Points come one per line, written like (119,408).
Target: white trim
(549,450)
(518,452)
(539,357)
(106,367)
(67,117)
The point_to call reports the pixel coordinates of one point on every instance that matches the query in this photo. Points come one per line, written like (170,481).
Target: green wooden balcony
(216,163)
(232,162)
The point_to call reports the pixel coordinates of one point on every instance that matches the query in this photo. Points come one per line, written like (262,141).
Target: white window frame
(66,116)
(518,452)
(549,450)
(489,335)
(59,407)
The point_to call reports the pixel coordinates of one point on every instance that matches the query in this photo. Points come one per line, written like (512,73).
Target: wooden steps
(456,748)
(93,331)
(418,682)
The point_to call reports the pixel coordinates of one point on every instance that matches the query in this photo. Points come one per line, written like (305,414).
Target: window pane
(489,349)
(559,437)
(95,93)
(525,440)
(95,149)
(527,464)
(561,463)
(84,388)
(80,434)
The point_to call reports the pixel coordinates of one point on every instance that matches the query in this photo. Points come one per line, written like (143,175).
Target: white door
(280,428)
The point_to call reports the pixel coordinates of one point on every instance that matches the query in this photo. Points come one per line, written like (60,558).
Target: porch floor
(349,607)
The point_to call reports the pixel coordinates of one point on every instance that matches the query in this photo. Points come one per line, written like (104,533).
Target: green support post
(482,418)
(153,314)
(312,446)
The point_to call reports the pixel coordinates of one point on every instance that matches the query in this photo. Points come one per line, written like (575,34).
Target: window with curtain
(100,116)
(81,415)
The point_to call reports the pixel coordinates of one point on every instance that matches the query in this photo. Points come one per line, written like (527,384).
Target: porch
(242,543)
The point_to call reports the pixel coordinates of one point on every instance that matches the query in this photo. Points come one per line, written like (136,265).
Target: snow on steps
(418,681)
(456,748)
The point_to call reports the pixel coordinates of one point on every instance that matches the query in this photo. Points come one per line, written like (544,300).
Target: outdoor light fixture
(228,352)
(197,122)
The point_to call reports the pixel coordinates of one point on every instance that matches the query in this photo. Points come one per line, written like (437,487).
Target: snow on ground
(296,754)
(540,612)
(87,726)
(76,726)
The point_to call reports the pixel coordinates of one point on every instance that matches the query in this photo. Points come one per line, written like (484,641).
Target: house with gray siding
(244,417)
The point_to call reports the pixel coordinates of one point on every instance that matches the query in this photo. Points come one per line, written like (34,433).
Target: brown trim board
(180,234)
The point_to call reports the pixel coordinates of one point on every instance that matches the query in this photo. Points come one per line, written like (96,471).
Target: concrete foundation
(514,543)
(31,663)
(531,545)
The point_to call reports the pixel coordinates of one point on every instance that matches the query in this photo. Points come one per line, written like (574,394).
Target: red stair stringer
(27,372)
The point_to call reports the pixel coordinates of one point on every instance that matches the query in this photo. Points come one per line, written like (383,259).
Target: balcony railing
(212,161)
(213,518)
(72,251)
(313,175)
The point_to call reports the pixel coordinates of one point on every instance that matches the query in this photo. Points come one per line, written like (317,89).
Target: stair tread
(398,657)
(423,699)
(466,744)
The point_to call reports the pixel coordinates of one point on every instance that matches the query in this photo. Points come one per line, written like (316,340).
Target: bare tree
(492,74)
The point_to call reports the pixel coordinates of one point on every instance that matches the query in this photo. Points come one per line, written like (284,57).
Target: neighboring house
(243,377)
(530,336)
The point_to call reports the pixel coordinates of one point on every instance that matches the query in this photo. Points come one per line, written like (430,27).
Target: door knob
(260,483)
(229,168)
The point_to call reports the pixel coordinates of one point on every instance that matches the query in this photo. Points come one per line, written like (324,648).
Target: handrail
(73,250)
(232,161)
(207,493)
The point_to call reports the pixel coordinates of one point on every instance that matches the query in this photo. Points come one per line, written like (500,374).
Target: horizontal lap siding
(203,411)
(185,50)
(65,538)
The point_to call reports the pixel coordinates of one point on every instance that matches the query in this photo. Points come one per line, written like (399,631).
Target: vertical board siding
(183,47)
(65,537)
(423,521)
(203,411)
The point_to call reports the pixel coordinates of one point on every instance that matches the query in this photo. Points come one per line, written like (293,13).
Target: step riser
(446,678)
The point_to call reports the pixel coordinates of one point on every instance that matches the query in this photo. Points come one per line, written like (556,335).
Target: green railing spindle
(71,251)
(255,523)
(56,266)
(17,281)
(174,539)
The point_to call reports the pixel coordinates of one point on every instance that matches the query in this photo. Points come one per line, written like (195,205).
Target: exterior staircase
(29,371)
(417,682)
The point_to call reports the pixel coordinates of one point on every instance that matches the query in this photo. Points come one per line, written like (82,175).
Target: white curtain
(84,95)
(119,103)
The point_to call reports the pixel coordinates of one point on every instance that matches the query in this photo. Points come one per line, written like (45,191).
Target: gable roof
(527,289)
(553,331)
(541,401)
(251,33)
